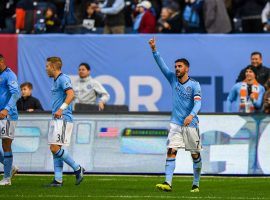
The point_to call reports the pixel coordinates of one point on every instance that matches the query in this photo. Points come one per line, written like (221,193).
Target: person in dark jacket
(52,21)
(249,11)
(263,72)
(171,20)
(27,102)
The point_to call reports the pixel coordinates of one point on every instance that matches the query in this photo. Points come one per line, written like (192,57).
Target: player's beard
(180,75)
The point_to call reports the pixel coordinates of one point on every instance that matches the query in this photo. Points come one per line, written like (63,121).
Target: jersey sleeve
(101,91)
(163,67)
(66,83)
(13,88)
(232,97)
(197,99)
(258,103)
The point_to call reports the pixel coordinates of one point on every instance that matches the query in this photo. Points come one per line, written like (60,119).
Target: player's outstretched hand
(152,43)
(188,120)
(58,114)
(3,114)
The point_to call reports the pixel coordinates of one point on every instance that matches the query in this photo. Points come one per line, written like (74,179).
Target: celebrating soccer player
(61,125)
(9,94)
(184,132)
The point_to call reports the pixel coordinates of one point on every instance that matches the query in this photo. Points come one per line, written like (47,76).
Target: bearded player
(184,125)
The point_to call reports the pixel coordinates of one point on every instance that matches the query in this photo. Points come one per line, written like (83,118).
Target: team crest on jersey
(189,89)
(89,87)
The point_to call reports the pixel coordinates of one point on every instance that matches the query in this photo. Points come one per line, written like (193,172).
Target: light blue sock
(197,166)
(1,155)
(67,159)
(58,168)
(169,169)
(8,159)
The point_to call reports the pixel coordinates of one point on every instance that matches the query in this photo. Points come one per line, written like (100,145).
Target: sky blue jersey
(186,97)
(60,85)
(9,93)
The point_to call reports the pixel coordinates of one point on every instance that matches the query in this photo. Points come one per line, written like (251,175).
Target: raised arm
(159,60)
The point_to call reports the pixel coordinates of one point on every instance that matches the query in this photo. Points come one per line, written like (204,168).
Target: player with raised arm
(61,125)
(9,94)
(184,130)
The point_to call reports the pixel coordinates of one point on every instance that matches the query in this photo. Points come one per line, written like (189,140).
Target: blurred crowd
(134,16)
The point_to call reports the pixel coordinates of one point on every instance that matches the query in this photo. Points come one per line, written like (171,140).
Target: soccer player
(9,94)
(184,132)
(61,125)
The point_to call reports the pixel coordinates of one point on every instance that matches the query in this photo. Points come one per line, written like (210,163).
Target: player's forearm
(12,101)
(70,96)
(196,108)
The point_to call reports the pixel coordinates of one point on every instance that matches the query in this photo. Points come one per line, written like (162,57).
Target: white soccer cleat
(14,171)
(5,181)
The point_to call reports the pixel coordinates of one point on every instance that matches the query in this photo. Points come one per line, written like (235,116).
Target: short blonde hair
(56,61)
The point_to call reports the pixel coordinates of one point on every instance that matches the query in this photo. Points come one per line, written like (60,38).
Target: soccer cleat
(79,175)
(14,171)
(195,188)
(164,187)
(55,183)
(5,181)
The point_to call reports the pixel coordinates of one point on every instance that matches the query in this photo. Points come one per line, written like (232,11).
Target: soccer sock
(197,166)
(61,153)
(8,159)
(1,155)
(58,168)
(169,169)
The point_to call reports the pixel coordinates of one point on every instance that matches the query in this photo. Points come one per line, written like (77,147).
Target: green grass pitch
(136,187)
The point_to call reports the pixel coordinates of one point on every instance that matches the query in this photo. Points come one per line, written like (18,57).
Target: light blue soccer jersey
(9,93)
(186,97)
(60,85)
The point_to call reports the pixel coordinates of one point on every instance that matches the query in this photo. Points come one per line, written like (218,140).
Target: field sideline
(136,187)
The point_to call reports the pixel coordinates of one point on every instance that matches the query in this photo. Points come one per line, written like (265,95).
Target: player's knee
(6,145)
(171,153)
(54,148)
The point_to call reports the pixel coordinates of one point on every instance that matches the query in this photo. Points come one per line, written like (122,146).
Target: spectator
(87,89)
(114,16)
(193,16)
(247,94)
(216,19)
(7,16)
(249,11)
(25,16)
(263,72)
(145,22)
(266,98)
(171,21)
(27,102)
(51,21)
(92,19)
(266,17)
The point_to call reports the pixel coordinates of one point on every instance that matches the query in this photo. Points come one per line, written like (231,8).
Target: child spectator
(27,102)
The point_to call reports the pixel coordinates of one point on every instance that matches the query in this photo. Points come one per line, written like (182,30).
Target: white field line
(180,176)
(129,197)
